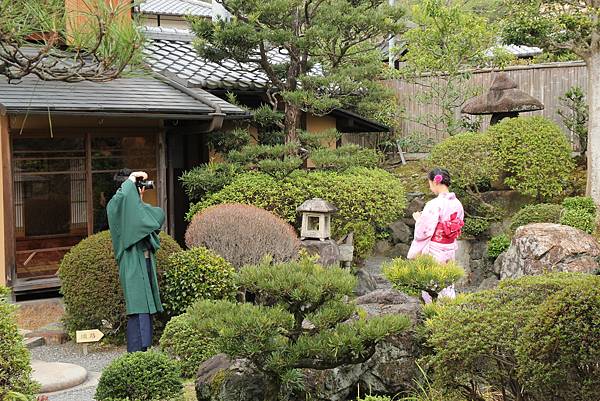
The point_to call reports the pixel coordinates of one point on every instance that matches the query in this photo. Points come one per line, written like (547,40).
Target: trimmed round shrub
(140,376)
(195,273)
(423,273)
(540,213)
(15,370)
(584,203)
(475,227)
(243,234)
(579,219)
(184,342)
(364,238)
(559,350)
(475,339)
(497,245)
(535,155)
(469,157)
(90,283)
(361,195)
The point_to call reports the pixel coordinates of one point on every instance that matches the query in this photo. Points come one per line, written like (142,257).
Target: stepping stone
(31,342)
(56,376)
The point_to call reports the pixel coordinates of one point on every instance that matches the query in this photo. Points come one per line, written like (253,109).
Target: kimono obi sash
(448,231)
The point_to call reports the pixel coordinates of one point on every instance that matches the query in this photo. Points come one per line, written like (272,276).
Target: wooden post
(7,237)
(3,273)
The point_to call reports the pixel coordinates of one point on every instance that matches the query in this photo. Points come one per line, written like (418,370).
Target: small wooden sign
(88,336)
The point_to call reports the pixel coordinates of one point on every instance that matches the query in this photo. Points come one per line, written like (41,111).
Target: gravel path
(96,359)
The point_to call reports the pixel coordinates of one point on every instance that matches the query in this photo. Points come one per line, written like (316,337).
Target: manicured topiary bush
(559,350)
(497,245)
(423,273)
(15,370)
(469,157)
(475,227)
(192,274)
(209,178)
(140,376)
(361,195)
(345,157)
(579,219)
(475,341)
(539,213)
(184,341)
(584,203)
(243,234)
(90,283)
(535,155)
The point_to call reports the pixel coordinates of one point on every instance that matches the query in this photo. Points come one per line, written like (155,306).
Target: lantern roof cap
(317,205)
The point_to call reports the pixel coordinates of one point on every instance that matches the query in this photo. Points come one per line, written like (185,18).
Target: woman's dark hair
(440,171)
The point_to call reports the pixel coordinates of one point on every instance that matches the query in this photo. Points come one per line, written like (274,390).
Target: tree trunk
(292,113)
(593,151)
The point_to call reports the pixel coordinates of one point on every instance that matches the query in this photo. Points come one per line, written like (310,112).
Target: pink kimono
(438,228)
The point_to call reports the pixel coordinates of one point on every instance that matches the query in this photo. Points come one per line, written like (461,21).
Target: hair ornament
(438,178)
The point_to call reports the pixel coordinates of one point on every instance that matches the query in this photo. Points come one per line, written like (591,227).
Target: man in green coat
(134,227)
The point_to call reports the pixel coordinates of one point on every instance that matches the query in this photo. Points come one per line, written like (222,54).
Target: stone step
(31,342)
(57,376)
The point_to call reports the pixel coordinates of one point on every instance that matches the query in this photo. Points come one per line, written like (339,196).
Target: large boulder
(401,232)
(392,369)
(370,277)
(544,247)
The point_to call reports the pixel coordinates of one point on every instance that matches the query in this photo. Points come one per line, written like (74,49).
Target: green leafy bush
(183,342)
(140,376)
(469,157)
(345,157)
(579,219)
(475,227)
(534,153)
(474,341)
(361,195)
(195,273)
(539,213)
(559,349)
(497,245)
(270,332)
(226,141)
(91,287)
(208,179)
(15,370)
(364,238)
(423,273)
(280,168)
(584,203)
(243,234)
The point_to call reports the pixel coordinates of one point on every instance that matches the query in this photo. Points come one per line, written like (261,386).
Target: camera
(146,184)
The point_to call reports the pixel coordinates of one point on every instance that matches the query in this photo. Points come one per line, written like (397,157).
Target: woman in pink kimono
(439,225)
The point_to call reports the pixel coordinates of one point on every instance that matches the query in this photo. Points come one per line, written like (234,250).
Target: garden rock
(544,247)
(328,251)
(398,251)
(370,278)
(401,232)
(223,379)
(390,370)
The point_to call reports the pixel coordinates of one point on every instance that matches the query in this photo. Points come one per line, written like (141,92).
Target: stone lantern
(316,219)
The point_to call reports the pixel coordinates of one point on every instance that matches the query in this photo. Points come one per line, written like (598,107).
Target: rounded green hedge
(184,342)
(497,245)
(584,203)
(580,219)
(540,213)
(469,157)
(475,227)
(90,283)
(535,155)
(192,274)
(15,370)
(140,376)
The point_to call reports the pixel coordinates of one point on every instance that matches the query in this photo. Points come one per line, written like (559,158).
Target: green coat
(131,221)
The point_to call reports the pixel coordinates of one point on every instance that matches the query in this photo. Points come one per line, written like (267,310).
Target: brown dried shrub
(243,234)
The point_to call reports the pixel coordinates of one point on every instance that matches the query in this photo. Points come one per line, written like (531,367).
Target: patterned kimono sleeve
(425,227)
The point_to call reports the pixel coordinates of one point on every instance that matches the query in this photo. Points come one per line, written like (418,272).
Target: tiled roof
(124,96)
(522,50)
(172,50)
(176,7)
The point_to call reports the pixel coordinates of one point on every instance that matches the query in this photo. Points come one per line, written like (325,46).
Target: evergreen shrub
(364,237)
(345,157)
(243,234)
(140,376)
(584,203)
(209,178)
(534,154)
(195,273)
(475,227)
(423,273)
(538,213)
(498,244)
(580,219)
(90,283)
(15,368)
